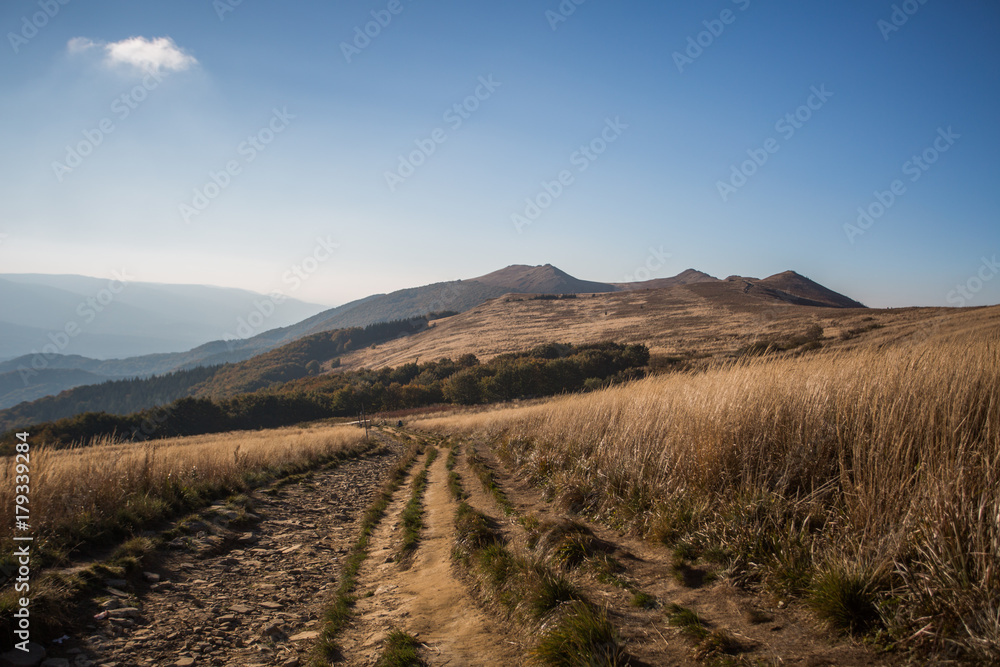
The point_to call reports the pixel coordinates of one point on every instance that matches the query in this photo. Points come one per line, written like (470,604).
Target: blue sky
(667,126)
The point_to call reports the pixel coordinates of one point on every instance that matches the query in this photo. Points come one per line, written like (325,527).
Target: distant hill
(704,316)
(801,287)
(453,296)
(13,389)
(457,295)
(116,319)
(788,286)
(144,325)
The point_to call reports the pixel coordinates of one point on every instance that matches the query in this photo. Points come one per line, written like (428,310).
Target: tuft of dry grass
(887,458)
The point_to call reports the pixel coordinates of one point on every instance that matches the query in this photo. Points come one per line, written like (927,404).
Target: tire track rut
(424,597)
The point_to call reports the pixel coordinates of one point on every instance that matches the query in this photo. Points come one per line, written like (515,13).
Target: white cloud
(80,44)
(157,54)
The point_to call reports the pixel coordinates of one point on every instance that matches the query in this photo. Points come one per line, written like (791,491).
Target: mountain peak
(799,286)
(685,277)
(542,279)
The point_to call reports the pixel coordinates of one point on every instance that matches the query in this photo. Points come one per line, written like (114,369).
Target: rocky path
(253,596)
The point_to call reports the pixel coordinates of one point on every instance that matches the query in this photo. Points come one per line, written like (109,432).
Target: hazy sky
(275,145)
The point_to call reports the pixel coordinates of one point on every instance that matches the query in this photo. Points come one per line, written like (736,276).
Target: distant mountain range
(115,318)
(156,309)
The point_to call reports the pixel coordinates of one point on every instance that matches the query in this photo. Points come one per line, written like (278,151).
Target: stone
(124,612)
(305,636)
(241,609)
(113,603)
(184,662)
(18,658)
(151,577)
(271,605)
(272,630)
(196,527)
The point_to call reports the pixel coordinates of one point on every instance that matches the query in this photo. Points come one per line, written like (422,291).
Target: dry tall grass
(867,479)
(88,491)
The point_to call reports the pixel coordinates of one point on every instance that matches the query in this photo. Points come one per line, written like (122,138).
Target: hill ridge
(447,296)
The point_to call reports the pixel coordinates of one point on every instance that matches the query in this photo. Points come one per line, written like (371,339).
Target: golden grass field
(862,476)
(865,479)
(87,490)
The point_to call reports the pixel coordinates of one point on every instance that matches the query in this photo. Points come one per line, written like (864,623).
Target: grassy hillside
(865,481)
(458,295)
(677,323)
(305,356)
